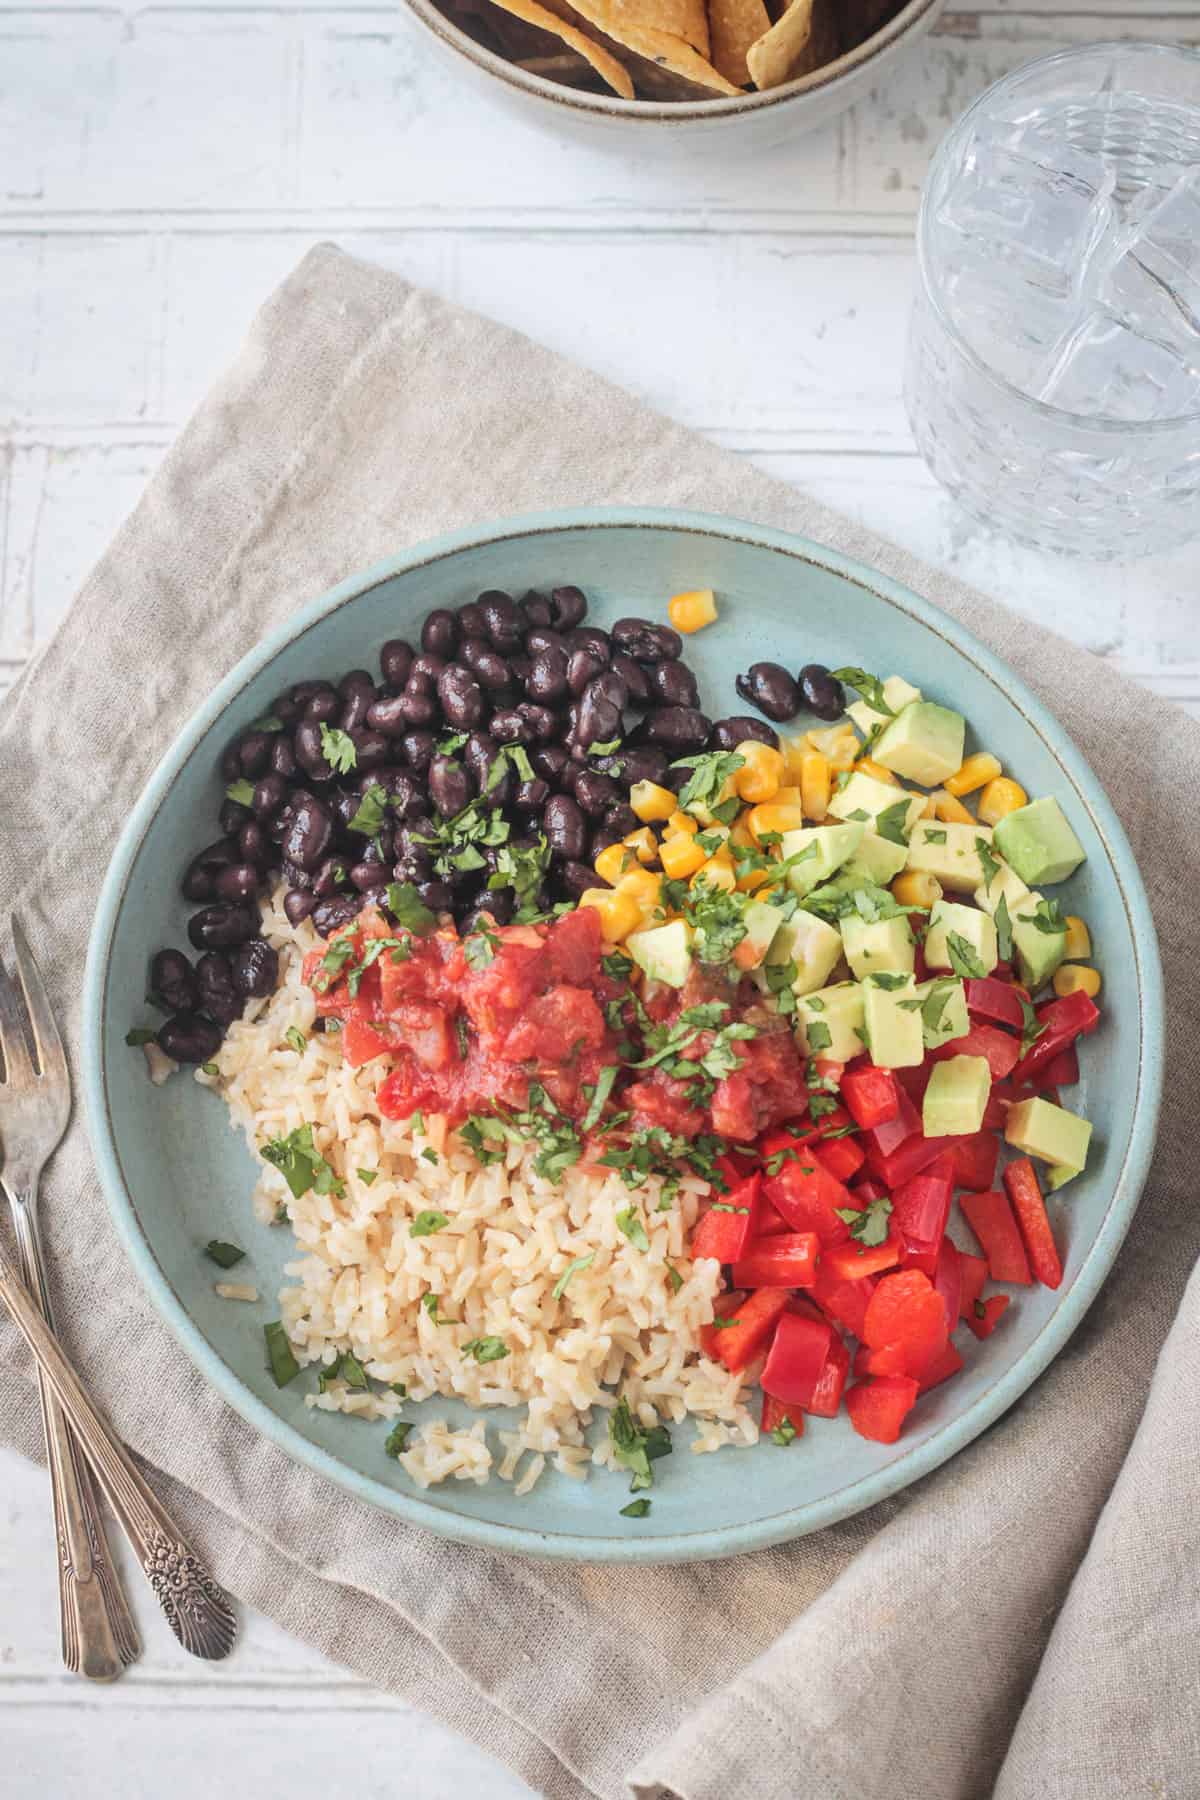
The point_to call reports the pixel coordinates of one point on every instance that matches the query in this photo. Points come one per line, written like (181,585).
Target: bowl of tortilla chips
(785,64)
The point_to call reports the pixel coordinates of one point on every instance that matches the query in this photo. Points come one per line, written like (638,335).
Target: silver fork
(98,1633)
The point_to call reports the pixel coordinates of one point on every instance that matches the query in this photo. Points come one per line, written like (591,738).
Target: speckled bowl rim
(912,18)
(856,1495)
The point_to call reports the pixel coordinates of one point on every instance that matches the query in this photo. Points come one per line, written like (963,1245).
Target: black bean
(509,727)
(324,707)
(680,729)
(768,686)
(567,607)
(270,792)
(328,877)
(589,637)
(595,793)
(222,926)
(358,695)
(371,750)
(198,880)
(549,761)
(821,693)
(418,748)
(254,752)
(622,819)
(231,762)
(309,833)
(543,724)
(637,682)
(395,661)
(254,846)
(547,680)
(450,786)
(572,770)
(298,905)
(309,752)
(333,915)
(602,837)
(429,665)
(255,968)
(439,633)
(437,895)
(344,807)
(599,718)
(283,757)
(543,637)
(301,692)
(461,697)
(406,797)
(376,896)
(297,877)
(536,608)
(285,708)
(727,734)
(565,828)
(364,875)
(575,878)
(531,796)
(647,642)
(189,1038)
(238,881)
(502,620)
(676,779)
(674,684)
(640,764)
(583,666)
(173,980)
(519,666)
(412,870)
(232,816)
(420,709)
(471,621)
(219,998)
(387,715)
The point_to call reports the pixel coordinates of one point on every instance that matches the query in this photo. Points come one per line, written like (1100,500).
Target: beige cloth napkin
(1021,1622)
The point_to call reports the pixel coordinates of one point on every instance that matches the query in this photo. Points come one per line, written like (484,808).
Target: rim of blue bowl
(856,1495)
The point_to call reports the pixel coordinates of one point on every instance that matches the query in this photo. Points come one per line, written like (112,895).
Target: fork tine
(18,1065)
(49,1045)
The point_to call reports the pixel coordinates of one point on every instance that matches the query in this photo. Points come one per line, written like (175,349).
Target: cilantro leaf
(629,1224)
(486,1349)
(572,1268)
(935,837)
(284,1366)
(637,1509)
(408,908)
(599,1097)
(710,771)
(634,1448)
(301,1165)
(1031,1028)
(1004,931)
(240,792)
(337,747)
(396,1438)
(818,1033)
(368,820)
(426,1223)
(479,948)
(140,1034)
(964,959)
(224,1255)
(296,1038)
(869,686)
(892,822)
(934,1006)
(1047,917)
(784,1433)
(869,1225)
(990,863)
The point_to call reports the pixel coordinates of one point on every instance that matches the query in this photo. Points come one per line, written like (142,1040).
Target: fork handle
(98,1634)
(197,1610)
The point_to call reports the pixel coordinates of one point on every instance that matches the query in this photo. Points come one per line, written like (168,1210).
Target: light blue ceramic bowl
(177,1176)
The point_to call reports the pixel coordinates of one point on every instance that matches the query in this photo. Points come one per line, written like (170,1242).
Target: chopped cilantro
(426,1223)
(430,1303)
(572,1268)
(368,820)
(430,1155)
(605,749)
(1047,917)
(869,1225)
(141,1034)
(989,863)
(634,1448)
(637,1509)
(454,740)
(1031,1029)
(617,966)
(351,1372)
(337,747)
(486,1349)
(598,1097)
(710,771)
(408,908)
(1004,931)
(240,792)
(784,1433)
(629,1224)
(479,1133)
(933,1007)
(479,948)
(889,982)
(935,837)
(964,959)
(819,1035)
(224,1255)
(674,1277)
(367,1176)
(267,723)
(301,1164)
(869,686)
(284,1366)
(296,1039)
(396,1438)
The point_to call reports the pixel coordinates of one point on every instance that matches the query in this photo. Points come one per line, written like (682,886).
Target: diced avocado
(885,945)
(1038,952)
(1049,1132)
(1058,1175)
(834,843)
(761,922)
(812,946)
(831,1019)
(973,928)
(876,859)
(951,852)
(1003,883)
(923,743)
(1039,843)
(664,952)
(896,691)
(865,799)
(943,1011)
(894,1035)
(957,1097)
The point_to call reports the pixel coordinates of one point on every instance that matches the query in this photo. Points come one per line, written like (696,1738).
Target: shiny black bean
(519,666)
(602,837)
(450,786)
(461,697)
(509,727)
(429,665)
(405,795)
(254,846)
(622,818)
(324,707)
(479,753)
(412,869)
(387,715)
(535,608)
(565,828)
(571,771)
(647,642)
(589,637)
(437,895)
(371,750)
(543,637)
(283,757)
(254,752)
(583,666)
(231,762)
(493,908)
(768,686)
(173,981)
(567,607)
(574,878)
(531,796)
(471,621)
(330,875)
(358,696)
(198,880)
(298,905)
(395,661)
(302,692)
(189,1038)
(270,792)
(309,833)
(821,693)
(639,764)
(542,722)
(418,748)
(637,682)
(490,669)
(439,633)
(502,620)
(285,708)
(375,896)
(727,734)
(680,729)
(219,997)
(599,719)
(365,875)
(232,816)
(309,751)
(255,968)
(547,680)
(420,709)
(549,761)
(222,926)
(344,808)
(238,881)
(297,877)
(595,793)
(333,915)
(674,684)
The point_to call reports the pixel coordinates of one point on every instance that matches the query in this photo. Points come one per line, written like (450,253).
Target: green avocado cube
(1002,884)
(812,947)
(973,949)
(663,952)
(896,691)
(1039,843)
(943,1011)
(1039,952)
(951,852)
(831,1021)
(823,849)
(762,922)
(957,1097)
(1058,1175)
(877,805)
(924,743)
(893,1031)
(1049,1132)
(876,859)
(884,945)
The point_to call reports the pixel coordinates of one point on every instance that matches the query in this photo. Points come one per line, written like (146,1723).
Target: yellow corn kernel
(644,844)
(681,856)
(838,742)
(976,772)
(789,794)
(761,773)
(876,771)
(650,802)
(1078,946)
(619,913)
(681,823)
(692,611)
(1076,978)
(999,798)
(916,888)
(929,810)
(815,785)
(949,810)
(773,817)
(793,749)
(612,863)
(752,880)
(717,872)
(644,885)
(740,834)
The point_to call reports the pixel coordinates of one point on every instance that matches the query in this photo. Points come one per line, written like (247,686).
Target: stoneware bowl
(751,121)
(176,1175)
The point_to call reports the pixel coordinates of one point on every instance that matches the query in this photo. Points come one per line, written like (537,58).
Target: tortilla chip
(665,48)
(734,25)
(601,60)
(805,38)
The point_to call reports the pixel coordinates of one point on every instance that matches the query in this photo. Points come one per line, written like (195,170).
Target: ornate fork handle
(197,1610)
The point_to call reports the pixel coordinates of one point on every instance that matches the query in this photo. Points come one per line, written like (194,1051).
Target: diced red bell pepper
(871,1095)
(914,1081)
(994,1001)
(845,1302)
(796,1359)
(888,1359)
(988,1041)
(1063,1021)
(788,1260)
(770,1222)
(736,1168)
(725,1306)
(947,1364)
(843,1157)
(854,1262)
(921,1256)
(999,1100)
(879,1408)
(991,1219)
(730,1222)
(738,1343)
(827,1395)
(866,1190)
(984,1316)
(1021,1183)
(947,1280)
(1063,1071)
(905,1309)
(885,1138)
(975,1160)
(911,1157)
(972,1273)
(920,1207)
(808,1196)
(774,1413)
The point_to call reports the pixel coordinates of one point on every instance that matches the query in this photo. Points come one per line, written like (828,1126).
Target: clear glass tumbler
(1053,371)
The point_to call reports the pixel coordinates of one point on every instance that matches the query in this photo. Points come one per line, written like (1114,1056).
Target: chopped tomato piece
(871,1095)
(991,1219)
(573,945)
(1021,1184)
(662,1101)
(556,1025)
(788,1260)
(1000,1050)
(796,1359)
(738,1343)
(878,1408)
(361,1041)
(984,1316)
(728,1225)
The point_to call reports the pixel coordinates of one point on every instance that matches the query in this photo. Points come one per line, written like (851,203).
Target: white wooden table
(160,170)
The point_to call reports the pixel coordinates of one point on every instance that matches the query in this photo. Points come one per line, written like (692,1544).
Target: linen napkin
(1022,1622)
